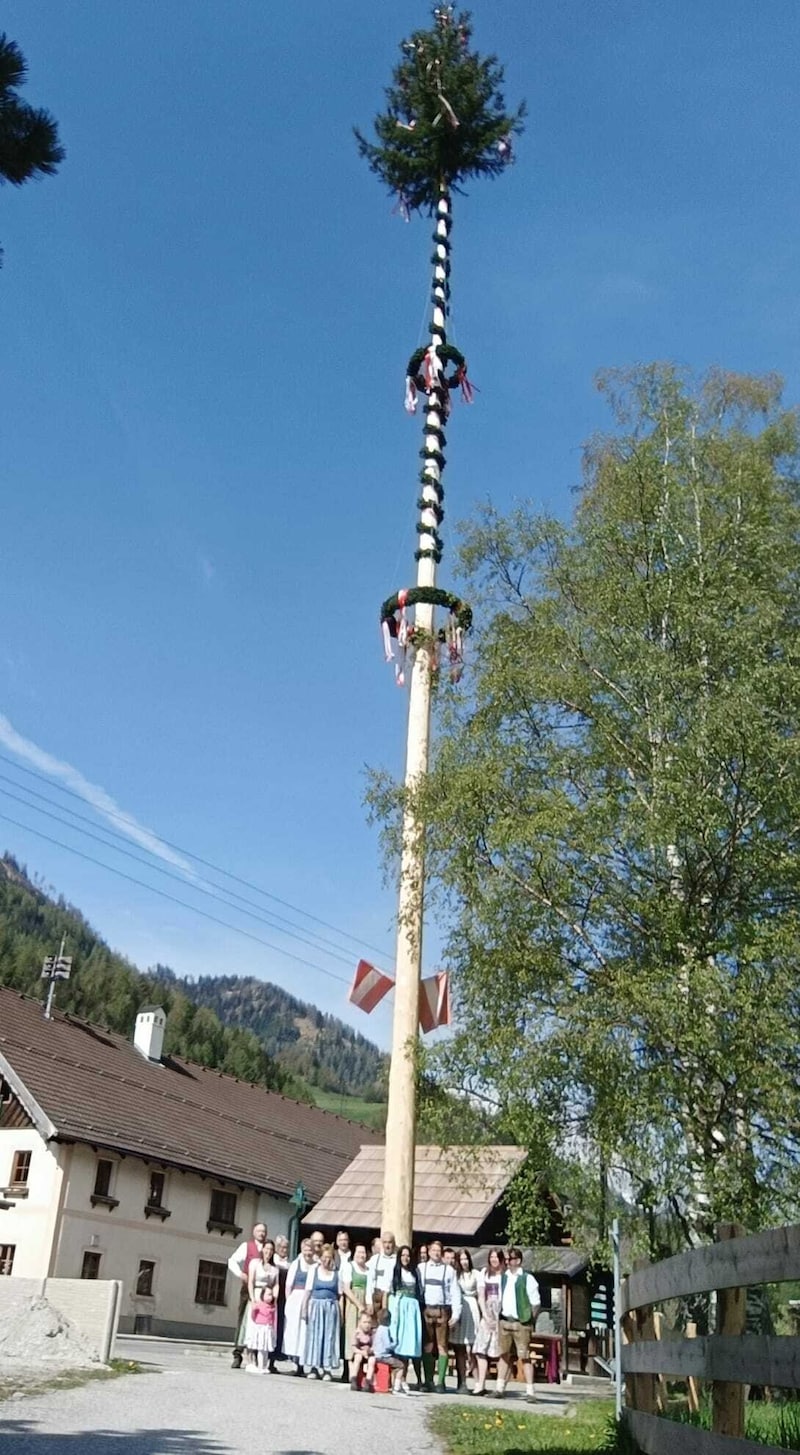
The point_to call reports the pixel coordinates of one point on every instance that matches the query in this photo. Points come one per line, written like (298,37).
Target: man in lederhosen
(441,1308)
(380,1271)
(239,1264)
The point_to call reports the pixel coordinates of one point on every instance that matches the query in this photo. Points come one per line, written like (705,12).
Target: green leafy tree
(29,144)
(445,119)
(614,811)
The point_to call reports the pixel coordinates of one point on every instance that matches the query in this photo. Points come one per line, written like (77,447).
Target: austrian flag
(434,1002)
(369,986)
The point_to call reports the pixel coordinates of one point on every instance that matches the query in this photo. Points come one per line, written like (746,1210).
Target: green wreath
(429,596)
(449,355)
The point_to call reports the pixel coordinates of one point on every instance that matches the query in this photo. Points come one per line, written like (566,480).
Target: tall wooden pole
(398,1190)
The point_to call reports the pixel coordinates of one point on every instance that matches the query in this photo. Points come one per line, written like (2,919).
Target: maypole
(445,122)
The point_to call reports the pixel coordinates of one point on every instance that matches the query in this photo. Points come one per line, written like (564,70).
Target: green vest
(521,1292)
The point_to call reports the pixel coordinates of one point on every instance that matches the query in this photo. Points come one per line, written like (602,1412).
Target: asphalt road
(190,1402)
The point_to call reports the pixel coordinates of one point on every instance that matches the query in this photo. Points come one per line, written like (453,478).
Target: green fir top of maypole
(446,117)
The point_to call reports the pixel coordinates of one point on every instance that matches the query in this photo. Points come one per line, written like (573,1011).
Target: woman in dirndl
(262,1318)
(294,1319)
(323,1326)
(405,1310)
(487,1339)
(354,1288)
(463,1334)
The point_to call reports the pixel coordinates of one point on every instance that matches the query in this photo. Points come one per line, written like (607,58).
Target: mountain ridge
(257,1037)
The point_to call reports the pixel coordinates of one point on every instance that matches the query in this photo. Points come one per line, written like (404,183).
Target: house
(120,1162)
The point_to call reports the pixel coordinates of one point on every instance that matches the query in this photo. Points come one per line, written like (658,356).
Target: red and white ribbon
(410,401)
(431,369)
(369,987)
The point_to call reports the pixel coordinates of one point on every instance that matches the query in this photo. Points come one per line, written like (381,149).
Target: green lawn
(586,1428)
(372,1113)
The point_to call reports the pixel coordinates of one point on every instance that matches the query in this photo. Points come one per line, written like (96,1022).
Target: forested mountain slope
(247,1028)
(319,1048)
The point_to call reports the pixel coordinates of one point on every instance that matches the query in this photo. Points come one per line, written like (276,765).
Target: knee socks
(428,1366)
(441,1368)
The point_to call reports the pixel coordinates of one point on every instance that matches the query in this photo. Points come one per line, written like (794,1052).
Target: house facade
(119,1162)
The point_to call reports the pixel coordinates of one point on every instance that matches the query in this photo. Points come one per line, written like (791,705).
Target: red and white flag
(369,986)
(434,1001)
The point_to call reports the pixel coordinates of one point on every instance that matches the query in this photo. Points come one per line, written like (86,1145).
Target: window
(223,1206)
(101,1197)
(20,1169)
(144,1278)
(102,1177)
(7,1251)
(155,1197)
(211,1283)
(90,1267)
(156,1192)
(222,1213)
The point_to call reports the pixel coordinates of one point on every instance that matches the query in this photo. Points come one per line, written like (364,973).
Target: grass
(776,1423)
(587,1427)
(357,1108)
(25,1383)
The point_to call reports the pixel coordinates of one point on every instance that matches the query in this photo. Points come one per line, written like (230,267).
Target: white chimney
(148,1036)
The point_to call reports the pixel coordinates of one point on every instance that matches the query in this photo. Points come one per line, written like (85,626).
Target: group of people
(337,1310)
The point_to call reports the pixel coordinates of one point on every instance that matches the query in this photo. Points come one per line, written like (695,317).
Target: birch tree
(614,808)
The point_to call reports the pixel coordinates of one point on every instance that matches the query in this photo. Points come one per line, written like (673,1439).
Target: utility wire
(199,886)
(162,893)
(207,864)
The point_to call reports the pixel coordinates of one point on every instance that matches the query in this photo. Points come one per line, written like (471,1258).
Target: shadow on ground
(20,1437)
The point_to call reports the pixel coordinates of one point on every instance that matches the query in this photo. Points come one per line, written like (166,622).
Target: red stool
(383,1378)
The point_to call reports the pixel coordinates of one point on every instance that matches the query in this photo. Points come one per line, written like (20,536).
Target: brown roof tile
(95,1087)
(455,1189)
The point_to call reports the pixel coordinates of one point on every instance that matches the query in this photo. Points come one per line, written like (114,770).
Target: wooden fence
(730,1359)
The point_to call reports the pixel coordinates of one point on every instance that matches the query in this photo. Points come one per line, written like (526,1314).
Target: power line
(162,893)
(207,864)
(199,887)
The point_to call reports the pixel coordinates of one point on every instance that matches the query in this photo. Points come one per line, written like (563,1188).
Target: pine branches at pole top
(445,122)
(445,119)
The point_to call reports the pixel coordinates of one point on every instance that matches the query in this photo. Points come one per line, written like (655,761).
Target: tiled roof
(455,1189)
(95,1087)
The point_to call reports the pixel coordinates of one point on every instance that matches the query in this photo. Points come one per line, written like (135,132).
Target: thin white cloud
(207,569)
(97,798)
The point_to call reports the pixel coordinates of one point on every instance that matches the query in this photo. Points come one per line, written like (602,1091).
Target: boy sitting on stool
(383,1353)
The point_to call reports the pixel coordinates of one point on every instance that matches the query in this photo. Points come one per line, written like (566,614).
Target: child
(361,1353)
(383,1347)
(262,1330)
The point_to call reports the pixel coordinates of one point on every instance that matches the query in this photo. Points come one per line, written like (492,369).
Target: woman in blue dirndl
(405,1309)
(323,1325)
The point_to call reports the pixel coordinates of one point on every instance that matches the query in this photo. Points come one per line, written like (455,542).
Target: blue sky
(207,476)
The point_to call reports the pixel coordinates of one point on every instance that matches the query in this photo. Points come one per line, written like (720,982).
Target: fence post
(640,1389)
(727,1399)
(660,1391)
(692,1386)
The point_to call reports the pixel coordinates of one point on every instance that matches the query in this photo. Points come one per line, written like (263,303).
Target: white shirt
(299,1264)
(238,1259)
(380,1271)
(342,1257)
(440,1287)
(508,1302)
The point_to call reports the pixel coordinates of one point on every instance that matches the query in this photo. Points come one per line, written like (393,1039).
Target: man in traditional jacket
(239,1265)
(520,1302)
